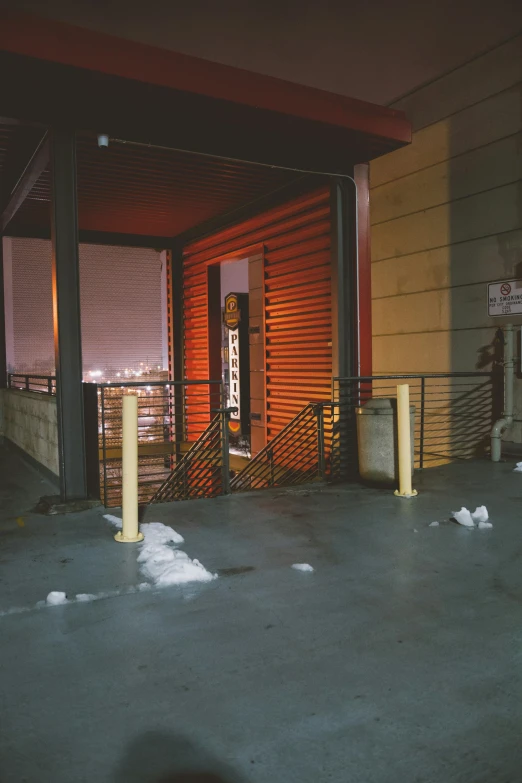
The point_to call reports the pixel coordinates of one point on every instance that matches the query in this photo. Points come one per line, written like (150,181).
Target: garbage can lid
(380,406)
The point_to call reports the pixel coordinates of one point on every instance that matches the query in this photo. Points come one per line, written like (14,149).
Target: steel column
(66,315)
(343,203)
(3,348)
(364,271)
(177,342)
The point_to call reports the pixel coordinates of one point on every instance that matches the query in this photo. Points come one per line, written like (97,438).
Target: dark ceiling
(375,51)
(140,190)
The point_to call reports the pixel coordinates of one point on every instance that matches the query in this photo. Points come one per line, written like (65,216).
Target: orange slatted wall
(296,241)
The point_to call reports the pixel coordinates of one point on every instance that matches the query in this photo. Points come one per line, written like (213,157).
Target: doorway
(235,354)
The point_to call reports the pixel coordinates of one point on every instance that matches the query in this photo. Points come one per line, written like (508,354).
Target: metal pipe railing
(40,384)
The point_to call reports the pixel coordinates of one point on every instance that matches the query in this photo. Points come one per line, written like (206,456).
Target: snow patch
(302,567)
(116,521)
(480,514)
(158,533)
(83,598)
(434,524)
(463,517)
(162,563)
(518,468)
(55,598)
(166,566)
(159,559)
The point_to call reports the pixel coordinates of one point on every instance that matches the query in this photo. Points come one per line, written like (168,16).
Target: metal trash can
(377,440)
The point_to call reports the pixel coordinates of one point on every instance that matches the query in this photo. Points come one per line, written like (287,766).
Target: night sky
(375,50)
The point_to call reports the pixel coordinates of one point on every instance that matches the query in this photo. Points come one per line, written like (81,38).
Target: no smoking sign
(505,298)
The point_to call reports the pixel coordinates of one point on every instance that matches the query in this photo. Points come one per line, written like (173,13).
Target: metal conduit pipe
(506,421)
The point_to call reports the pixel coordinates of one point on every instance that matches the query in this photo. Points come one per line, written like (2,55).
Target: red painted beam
(47,39)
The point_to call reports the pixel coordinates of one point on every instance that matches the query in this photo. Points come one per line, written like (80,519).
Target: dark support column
(344,269)
(176,300)
(66,312)
(343,203)
(3,351)
(176,339)
(214,333)
(364,270)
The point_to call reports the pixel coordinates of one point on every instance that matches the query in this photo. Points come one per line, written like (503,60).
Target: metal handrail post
(225,454)
(422,410)
(320,442)
(104,445)
(270,455)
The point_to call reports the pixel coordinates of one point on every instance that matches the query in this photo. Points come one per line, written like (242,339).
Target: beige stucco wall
(447,218)
(29,420)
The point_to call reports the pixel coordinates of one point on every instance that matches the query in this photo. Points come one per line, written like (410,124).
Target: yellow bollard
(129,469)
(404,442)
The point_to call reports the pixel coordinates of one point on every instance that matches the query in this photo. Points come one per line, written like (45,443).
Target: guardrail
(454,413)
(172,415)
(41,384)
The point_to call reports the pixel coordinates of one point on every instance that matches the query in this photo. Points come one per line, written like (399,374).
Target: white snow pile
(116,521)
(518,468)
(160,560)
(302,567)
(55,598)
(463,517)
(84,598)
(434,524)
(478,518)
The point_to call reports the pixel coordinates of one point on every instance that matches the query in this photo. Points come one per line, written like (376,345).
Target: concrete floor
(398,659)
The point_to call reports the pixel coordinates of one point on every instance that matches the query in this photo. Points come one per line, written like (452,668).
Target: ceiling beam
(87,237)
(27,159)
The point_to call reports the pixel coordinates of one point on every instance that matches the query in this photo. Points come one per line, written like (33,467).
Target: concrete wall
(447,218)
(28,420)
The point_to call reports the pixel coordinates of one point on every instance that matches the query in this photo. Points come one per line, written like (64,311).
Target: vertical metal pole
(343,211)
(320,442)
(90,403)
(225,454)
(176,348)
(66,315)
(104,445)
(423,402)
(3,335)
(270,455)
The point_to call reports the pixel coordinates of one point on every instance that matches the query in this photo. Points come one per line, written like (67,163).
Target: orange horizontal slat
(298,331)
